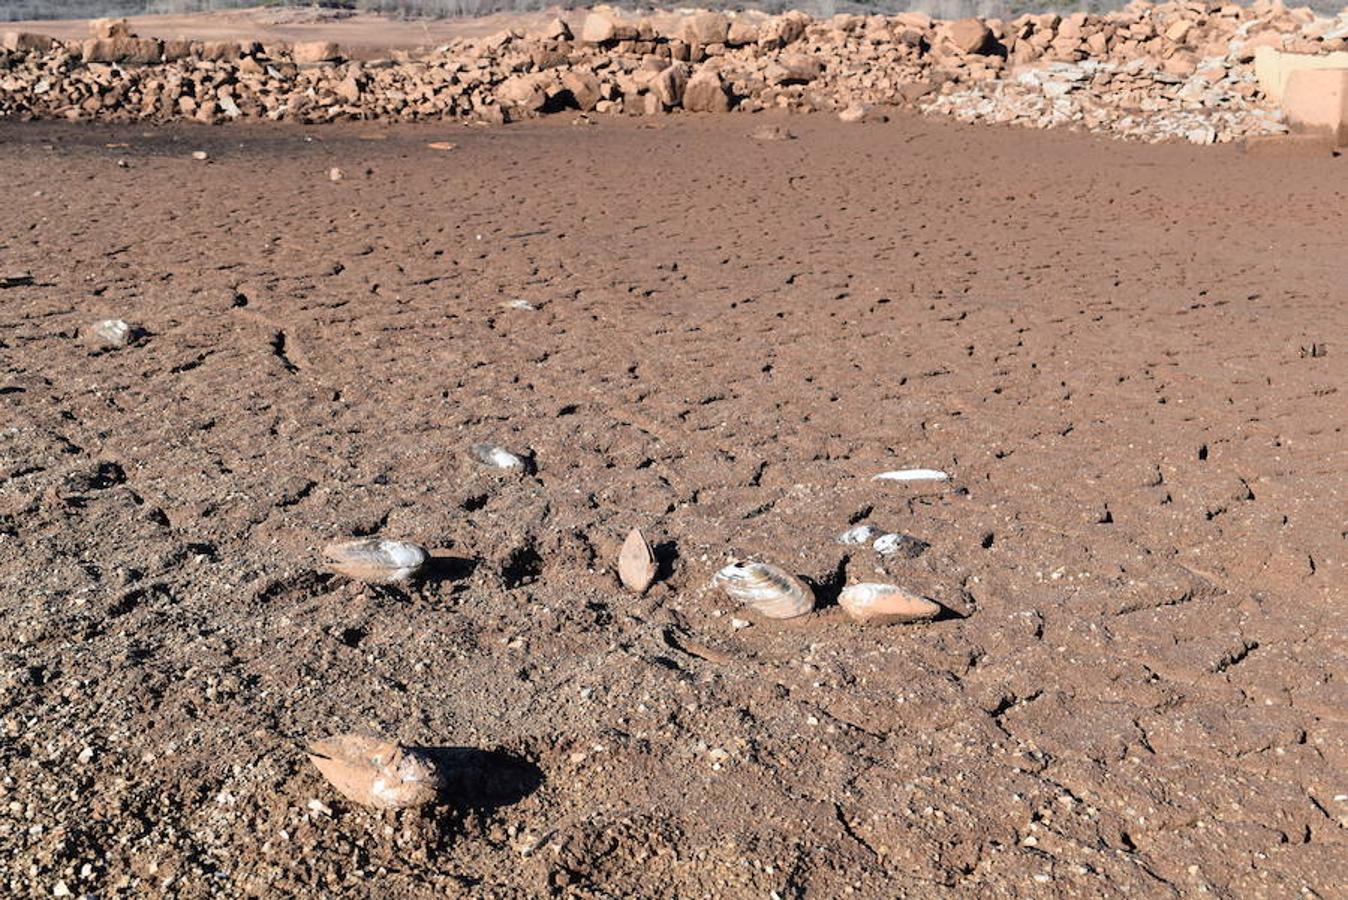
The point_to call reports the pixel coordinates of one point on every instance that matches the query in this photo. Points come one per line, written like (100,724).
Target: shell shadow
(484,780)
(827,589)
(447,568)
(666,554)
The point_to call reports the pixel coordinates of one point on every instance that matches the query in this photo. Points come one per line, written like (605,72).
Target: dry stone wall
(1153,71)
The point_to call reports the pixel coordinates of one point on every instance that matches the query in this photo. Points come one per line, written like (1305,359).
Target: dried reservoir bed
(1131,360)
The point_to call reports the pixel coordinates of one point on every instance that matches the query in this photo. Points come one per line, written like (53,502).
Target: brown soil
(1131,359)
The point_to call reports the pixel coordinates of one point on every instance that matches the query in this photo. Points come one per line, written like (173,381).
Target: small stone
(200,155)
(335,174)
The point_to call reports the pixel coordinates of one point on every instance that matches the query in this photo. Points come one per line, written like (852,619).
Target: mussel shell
(766,589)
(113,332)
(376,560)
(885,604)
(901,544)
(497,457)
(861,534)
(912,475)
(375,772)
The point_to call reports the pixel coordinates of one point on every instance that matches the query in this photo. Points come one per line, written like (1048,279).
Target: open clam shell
(885,604)
(376,560)
(375,772)
(636,563)
(766,589)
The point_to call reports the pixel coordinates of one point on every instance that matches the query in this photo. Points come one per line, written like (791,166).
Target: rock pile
(1174,70)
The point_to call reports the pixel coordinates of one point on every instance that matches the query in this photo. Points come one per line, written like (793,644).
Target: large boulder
(26,42)
(969,36)
(584,88)
(109,28)
(315,52)
(706,28)
(598,28)
(669,84)
(1315,101)
(706,92)
(523,92)
(139,51)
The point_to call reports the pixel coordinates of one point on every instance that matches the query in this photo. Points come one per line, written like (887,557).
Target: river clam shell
(113,332)
(636,563)
(885,604)
(376,560)
(904,545)
(912,475)
(375,772)
(766,589)
(861,534)
(497,457)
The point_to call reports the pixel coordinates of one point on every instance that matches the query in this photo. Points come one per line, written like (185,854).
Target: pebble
(335,174)
(200,155)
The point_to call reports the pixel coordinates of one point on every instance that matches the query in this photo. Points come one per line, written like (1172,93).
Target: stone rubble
(1176,70)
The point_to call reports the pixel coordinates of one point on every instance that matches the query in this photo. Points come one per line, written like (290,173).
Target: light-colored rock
(969,36)
(706,92)
(669,84)
(1273,67)
(142,51)
(584,88)
(598,28)
(1315,101)
(306,52)
(706,28)
(26,42)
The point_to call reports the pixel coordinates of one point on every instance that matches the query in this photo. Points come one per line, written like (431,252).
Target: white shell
(885,604)
(912,475)
(112,332)
(376,772)
(376,560)
(889,544)
(861,534)
(766,589)
(498,457)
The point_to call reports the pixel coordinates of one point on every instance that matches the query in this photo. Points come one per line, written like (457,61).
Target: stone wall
(1174,70)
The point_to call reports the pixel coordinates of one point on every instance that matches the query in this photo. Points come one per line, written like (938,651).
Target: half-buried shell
(497,457)
(376,772)
(636,563)
(885,604)
(766,589)
(376,560)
